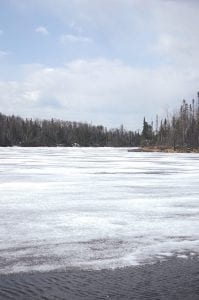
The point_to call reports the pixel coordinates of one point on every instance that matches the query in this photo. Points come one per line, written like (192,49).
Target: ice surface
(95,207)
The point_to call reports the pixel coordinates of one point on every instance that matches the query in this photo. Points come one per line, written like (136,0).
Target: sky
(108,62)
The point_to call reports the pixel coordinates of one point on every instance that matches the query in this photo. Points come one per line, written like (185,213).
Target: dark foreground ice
(174,279)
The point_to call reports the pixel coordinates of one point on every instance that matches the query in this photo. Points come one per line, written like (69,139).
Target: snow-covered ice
(95,207)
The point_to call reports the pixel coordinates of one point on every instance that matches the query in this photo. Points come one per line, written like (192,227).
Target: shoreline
(165,149)
(175,278)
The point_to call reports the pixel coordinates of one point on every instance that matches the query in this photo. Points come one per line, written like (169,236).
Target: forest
(15,131)
(181,129)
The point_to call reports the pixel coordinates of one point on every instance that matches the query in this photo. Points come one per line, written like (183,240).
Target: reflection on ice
(95,207)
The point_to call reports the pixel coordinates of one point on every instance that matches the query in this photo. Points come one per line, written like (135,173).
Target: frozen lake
(95,207)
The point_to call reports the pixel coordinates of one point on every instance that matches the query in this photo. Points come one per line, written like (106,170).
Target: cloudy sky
(108,62)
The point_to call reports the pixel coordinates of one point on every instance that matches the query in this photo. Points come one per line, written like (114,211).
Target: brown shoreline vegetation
(165,149)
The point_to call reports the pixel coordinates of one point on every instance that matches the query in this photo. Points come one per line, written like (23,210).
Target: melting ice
(95,207)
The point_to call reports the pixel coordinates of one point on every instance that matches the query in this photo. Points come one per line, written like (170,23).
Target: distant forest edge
(180,130)
(15,131)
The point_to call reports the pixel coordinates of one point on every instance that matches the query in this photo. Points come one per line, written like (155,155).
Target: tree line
(16,131)
(181,129)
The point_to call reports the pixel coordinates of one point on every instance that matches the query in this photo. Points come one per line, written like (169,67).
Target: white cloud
(161,37)
(71,38)
(4,53)
(176,25)
(100,90)
(127,28)
(77,28)
(42,30)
